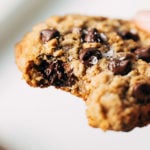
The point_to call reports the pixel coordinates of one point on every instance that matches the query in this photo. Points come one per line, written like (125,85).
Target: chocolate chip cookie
(104,61)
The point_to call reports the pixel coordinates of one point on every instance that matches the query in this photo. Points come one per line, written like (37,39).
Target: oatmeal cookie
(104,61)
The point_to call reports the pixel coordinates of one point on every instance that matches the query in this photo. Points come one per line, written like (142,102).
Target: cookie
(104,61)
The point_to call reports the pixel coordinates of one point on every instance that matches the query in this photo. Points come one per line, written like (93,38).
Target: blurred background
(48,119)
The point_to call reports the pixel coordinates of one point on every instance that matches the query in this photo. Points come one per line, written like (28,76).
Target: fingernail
(142,19)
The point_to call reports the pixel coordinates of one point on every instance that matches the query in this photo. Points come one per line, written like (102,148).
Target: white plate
(49,119)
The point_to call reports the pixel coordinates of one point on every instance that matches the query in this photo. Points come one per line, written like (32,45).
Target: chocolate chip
(103,37)
(127,35)
(57,75)
(48,34)
(142,92)
(90,56)
(71,79)
(143,53)
(125,56)
(121,67)
(41,67)
(92,35)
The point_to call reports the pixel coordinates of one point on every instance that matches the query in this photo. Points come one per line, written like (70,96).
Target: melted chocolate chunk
(55,73)
(143,53)
(48,34)
(142,93)
(92,35)
(90,56)
(43,65)
(118,66)
(127,35)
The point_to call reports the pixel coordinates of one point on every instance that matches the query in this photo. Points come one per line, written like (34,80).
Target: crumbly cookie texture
(104,61)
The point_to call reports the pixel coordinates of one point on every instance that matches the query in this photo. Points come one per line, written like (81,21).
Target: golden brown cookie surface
(104,61)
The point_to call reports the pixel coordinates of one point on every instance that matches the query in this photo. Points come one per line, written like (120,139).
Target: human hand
(142,19)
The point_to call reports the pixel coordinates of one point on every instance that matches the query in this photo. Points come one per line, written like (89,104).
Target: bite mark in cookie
(51,72)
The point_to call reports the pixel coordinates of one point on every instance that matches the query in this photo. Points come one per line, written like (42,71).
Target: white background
(49,119)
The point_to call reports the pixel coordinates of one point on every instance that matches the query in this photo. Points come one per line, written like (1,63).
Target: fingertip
(142,15)
(142,19)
